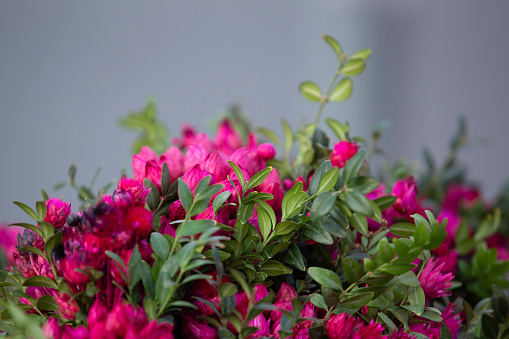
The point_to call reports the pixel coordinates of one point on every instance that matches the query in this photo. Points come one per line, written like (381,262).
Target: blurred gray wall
(70,70)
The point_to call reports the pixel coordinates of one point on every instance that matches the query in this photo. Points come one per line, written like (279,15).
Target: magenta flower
(342,152)
(341,326)
(80,332)
(406,203)
(51,329)
(196,329)
(227,139)
(284,298)
(216,165)
(433,282)
(193,176)
(266,151)
(135,189)
(57,212)
(262,324)
(401,334)
(371,330)
(458,194)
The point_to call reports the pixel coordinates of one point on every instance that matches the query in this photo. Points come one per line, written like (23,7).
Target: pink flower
(156,331)
(51,329)
(56,212)
(195,329)
(341,326)
(80,332)
(227,139)
(284,298)
(406,203)
(452,320)
(433,282)
(401,334)
(68,307)
(458,194)
(96,314)
(139,220)
(371,330)
(342,152)
(193,176)
(174,159)
(262,324)
(134,188)
(216,165)
(8,241)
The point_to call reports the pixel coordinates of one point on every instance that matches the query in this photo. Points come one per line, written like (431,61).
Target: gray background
(70,70)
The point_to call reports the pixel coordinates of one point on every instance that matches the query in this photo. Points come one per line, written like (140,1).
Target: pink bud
(139,162)
(153,172)
(193,176)
(68,307)
(56,212)
(195,155)
(96,314)
(342,152)
(135,188)
(227,139)
(117,320)
(174,158)
(51,329)
(215,164)
(266,151)
(286,292)
(80,332)
(260,292)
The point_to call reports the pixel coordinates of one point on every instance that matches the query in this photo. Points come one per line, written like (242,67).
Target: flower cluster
(217,237)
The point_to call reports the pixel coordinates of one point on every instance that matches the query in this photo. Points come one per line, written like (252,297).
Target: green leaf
(364,184)
(357,301)
(41,209)
(353,67)
(310,91)
(165,179)
(385,202)
(258,178)
(326,278)
(316,232)
(387,320)
(318,300)
(342,91)
(227,290)
(361,54)
(42,281)
(31,227)
(160,245)
(116,258)
(269,134)
(47,229)
(396,269)
(285,227)
(359,222)
(353,166)
(54,241)
(47,303)
(352,269)
(328,180)
(193,227)
(185,195)
(34,250)
(322,204)
(135,268)
(294,257)
(274,268)
(334,44)
(27,210)
(444,331)
(317,176)
(409,279)
(239,174)
(153,197)
(288,136)
(416,297)
(403,229)
(421,235)
(359,203)
(386,251)
(220,199)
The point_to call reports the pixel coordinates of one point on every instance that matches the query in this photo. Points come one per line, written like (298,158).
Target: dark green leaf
(153,197)
(316,232)
(47,303)
(285,227)
(359,222)
(325,278)
(353,166)
(160,245)
(322,204)
(239,174)
(185,195)
(193,227)
(386,251)
(359,203)
(403,229)
(317,176)
(274,268)
(220,199)
(258,178)
(318,300)
(417,298)
(42,281)
(294,257)
(385,202)
(41,209)
(165,179)
(409,279)
(357,301)
(328,180)
(396,269)
(31,227)
(352,269)
(27,210)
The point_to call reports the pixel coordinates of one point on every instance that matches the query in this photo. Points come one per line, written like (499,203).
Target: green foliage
(152,132)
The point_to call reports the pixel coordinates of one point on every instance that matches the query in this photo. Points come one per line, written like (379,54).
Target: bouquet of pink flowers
(219,238)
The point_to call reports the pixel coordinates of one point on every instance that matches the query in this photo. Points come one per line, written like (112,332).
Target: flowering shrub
(219,238)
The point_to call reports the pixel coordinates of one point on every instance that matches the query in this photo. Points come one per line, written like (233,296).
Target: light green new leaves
(310,91)
(342,91)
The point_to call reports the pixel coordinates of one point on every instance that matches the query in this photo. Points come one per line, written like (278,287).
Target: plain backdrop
(70,70)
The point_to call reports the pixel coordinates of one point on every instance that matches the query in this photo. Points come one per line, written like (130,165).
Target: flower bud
(215,164)
(96,314)
(51,329)
(266,151)
(195,329)
(193,176)
(136,189)
(195,155)
(116,321)
(57,212)
(174,159)
(262,324)
(80,332)
(227,139)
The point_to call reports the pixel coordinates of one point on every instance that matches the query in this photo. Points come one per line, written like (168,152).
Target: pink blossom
(195,155)
(174,159)
(342,152)
(401,334)
(68,307)
(56,212)
(433,282)
(138,220)
(406,203)
(284,298)
(451,319)
(371,330)
(262,324)
(227,139)
(341,326)
(458,194)
(80,332)
(216,165)
(8,241)
(193,176)
(96,314)
(51,329)
(196,329)
(135,189)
